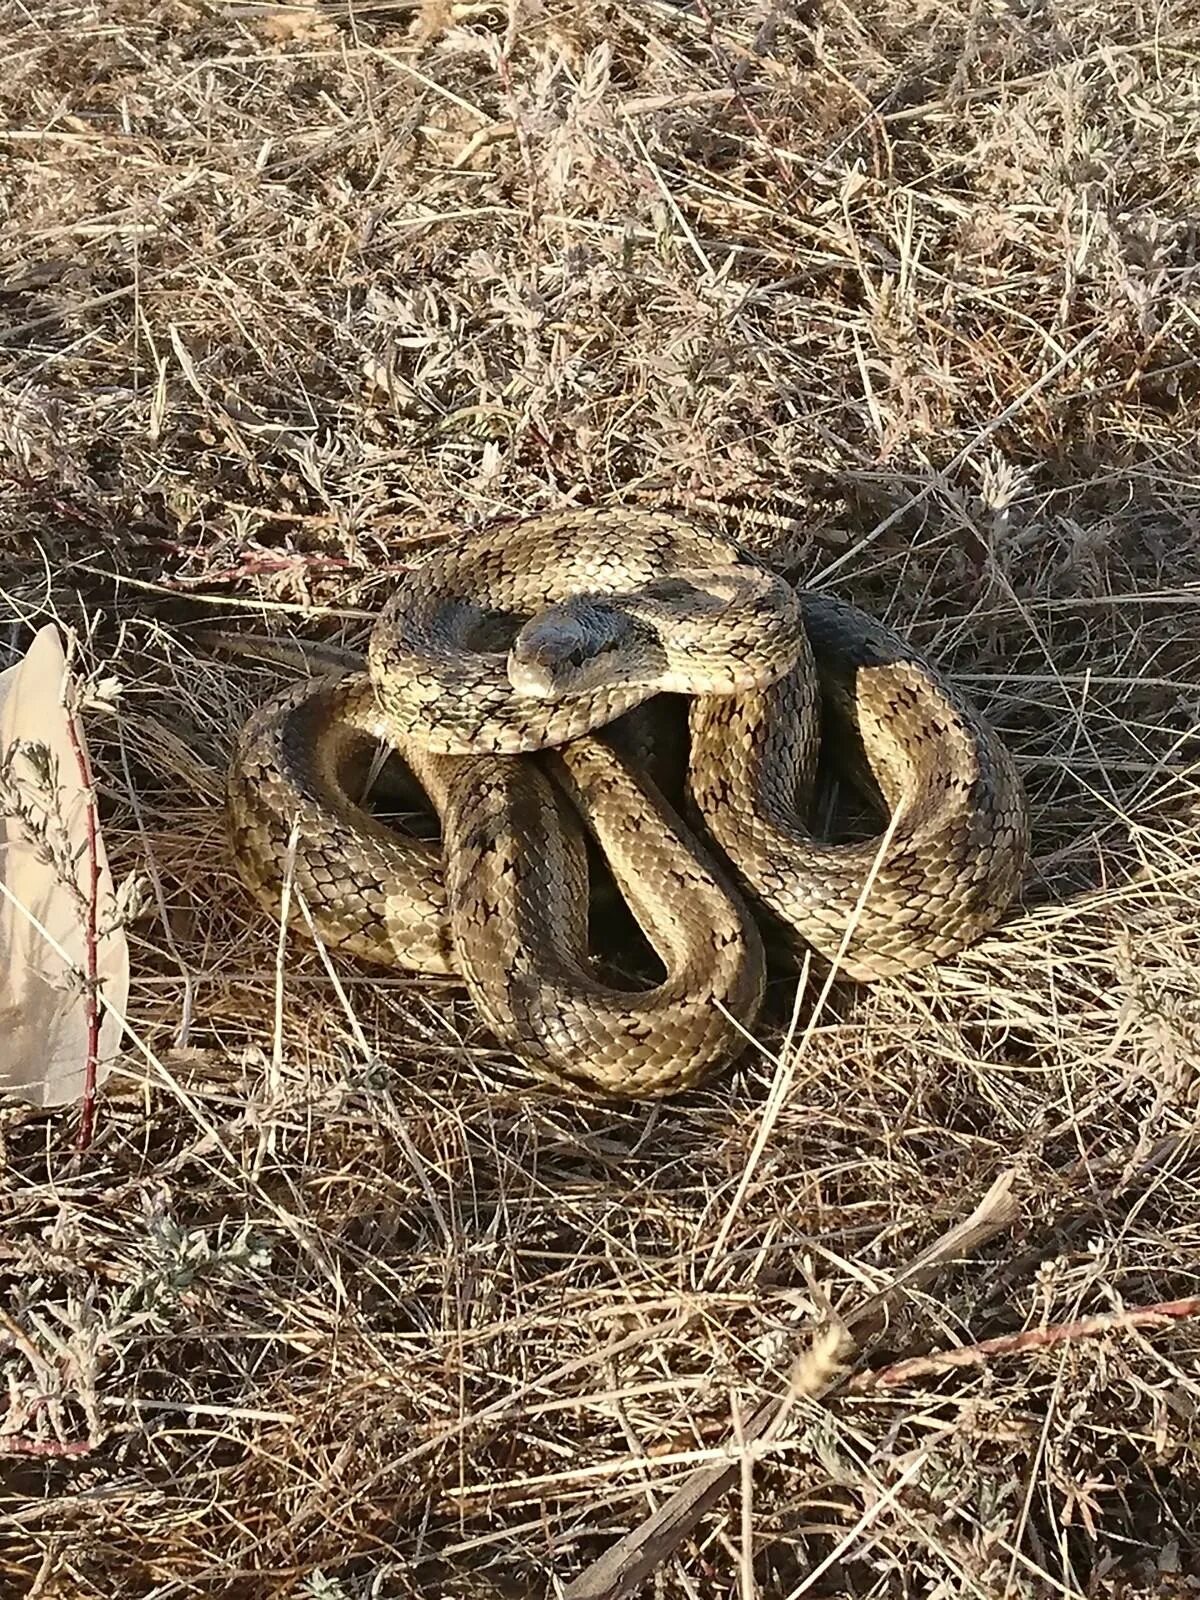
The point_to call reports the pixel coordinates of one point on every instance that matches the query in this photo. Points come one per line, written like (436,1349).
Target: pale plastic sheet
(43,1014)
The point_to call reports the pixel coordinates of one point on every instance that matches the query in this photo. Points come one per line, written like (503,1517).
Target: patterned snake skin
(546,637)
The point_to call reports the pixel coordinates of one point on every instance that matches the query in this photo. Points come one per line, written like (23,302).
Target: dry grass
(342,1306)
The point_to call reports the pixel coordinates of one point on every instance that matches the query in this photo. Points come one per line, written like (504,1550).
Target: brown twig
(87,1121)
(1010,1344)
(737,92)
(258,564)
(17,1444)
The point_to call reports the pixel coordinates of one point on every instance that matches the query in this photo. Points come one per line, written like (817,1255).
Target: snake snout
(544,656)
(533,679)
(565,650)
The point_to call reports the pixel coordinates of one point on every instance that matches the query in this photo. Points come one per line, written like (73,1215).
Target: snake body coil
(535,638)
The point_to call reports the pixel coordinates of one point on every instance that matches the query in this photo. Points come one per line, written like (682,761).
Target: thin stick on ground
(91,992)
(51,1449)
(1026,1343)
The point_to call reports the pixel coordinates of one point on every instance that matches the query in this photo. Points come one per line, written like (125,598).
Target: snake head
(574,648)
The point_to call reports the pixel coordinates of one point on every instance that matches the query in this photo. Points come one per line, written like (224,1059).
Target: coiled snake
(547,637)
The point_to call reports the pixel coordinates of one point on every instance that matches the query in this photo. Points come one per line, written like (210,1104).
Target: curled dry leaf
(45,883)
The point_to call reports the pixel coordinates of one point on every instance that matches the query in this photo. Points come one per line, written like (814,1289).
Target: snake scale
(517,674)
